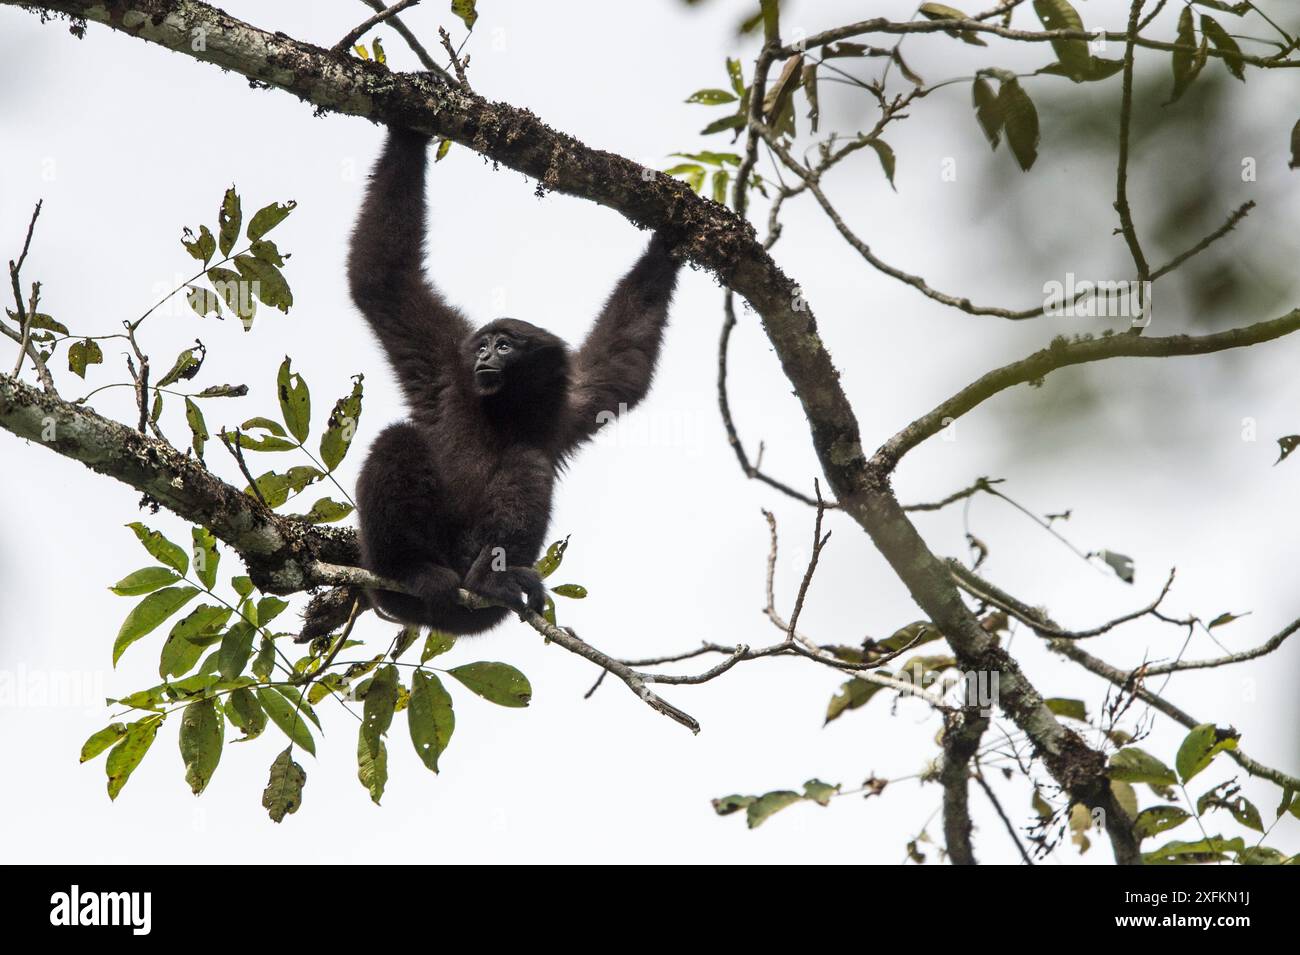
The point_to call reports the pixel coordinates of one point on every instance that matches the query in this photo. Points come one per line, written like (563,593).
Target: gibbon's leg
(518,586)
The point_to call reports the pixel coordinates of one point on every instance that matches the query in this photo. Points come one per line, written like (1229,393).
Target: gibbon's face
(513,355)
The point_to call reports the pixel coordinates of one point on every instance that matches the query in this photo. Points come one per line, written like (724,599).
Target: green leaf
(198,427)
(1158,819)
(497,683)
(1073,54)
(243,585)
(379,705)
(1226,45)
(1187,63)
(81,354)
(444,147)
(711,97)
(188,638)
(236,648)
(851,695)
(264,664)
(160,547)
(1200,746)
(1121,564)
(202,247)
(941,11)
(1135,765)
(268,608)
(372,766)
(437,643)
(145,617)
(1074,709)
(235,293)
(243,710)
(229,218)
(265,281)
(202,301)
(757,812)
(284,715)
(326,511)
(430,717)
(887,161)
(726,805)
(1020,122)
(465,10)
(720,180)
(185,367)
(144,581)
(126,755)
(1213,849)
(206,556)
(820,792)
(295,401)
(551,560)
(268,217)
(202,733)
(98,742)
(283,793)
(342,426)
(572,591)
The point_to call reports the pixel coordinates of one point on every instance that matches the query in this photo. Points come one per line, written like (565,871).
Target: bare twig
(356,32)
(237,452)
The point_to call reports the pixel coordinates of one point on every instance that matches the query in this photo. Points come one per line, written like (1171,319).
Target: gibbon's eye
(503,346)
(482,349)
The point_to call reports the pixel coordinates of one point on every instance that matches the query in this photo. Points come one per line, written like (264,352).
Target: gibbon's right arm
(419,331)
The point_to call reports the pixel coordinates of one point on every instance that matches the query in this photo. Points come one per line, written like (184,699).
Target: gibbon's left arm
(613,368)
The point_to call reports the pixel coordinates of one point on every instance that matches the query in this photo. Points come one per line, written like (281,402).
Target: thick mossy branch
(279,551)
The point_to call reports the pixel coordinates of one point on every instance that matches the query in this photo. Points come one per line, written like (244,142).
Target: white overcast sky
(126,143)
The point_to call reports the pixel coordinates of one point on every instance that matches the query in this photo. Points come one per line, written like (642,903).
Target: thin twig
(356,32)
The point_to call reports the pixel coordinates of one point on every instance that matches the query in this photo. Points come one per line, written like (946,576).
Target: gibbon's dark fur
(459,494)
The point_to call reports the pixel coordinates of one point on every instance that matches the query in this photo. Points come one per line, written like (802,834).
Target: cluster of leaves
(213,676)
(759,808)
(256,276)
(221,664)
(266,435)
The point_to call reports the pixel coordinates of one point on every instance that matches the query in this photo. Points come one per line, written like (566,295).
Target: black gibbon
(459,494)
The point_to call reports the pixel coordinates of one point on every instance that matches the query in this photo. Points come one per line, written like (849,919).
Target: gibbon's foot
(517,587)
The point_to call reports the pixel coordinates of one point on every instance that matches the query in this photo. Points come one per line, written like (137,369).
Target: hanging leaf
(1158,819)
(83,353)
(229,218)
(1074,709)
(1213,849)
(1287,445)
(283,793)
(1020,121)
(109,735)
(203,301)
(295,401)
(148,614)
(1120,563)
(430,717)
(243,710)
(265,281)
(1200,746)
(284,715)
(202,247)
(188,638)
(465,10)
(1073,54)
(1188,59)
(235,293)
(202,733)
(198,427)
(1135,765)
(326,511)
(551,560)
(853,694)
(185,367)
(372,767)
(126,755)
(572,591)
(886,155)
(986,110)
(497,683)
(342,426)
(436,644)
(1225,44)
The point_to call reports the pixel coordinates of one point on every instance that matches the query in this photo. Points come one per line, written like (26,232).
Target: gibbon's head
(513,358)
